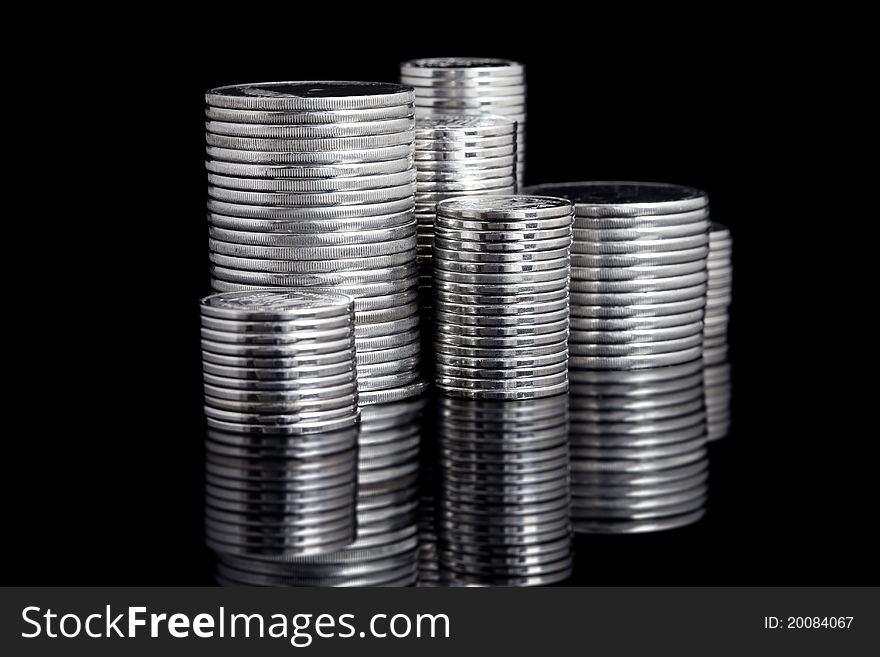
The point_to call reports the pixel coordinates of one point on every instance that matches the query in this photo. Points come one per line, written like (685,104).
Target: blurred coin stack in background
(715,358)
(638,297)
(468,85)
(503,502)
(312,184)
(456,156)
(282,414)
(501,266)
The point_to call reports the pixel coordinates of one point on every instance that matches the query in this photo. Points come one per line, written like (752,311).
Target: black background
(104,436)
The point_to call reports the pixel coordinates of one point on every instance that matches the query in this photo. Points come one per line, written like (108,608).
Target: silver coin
(301,335)
(276,305)
(637,526)
(331,363)
(304,171)
(634,335)
(647,285)
(695,304)
(638,298)
(310,240)
(481,268)
(310,226)
(501,250)
(461,67)
(310,130)
(307,145)
(602,273)
(638,234)
(309,96)
(459,155)
(698,219)
(409,391)
(277,369)
(657,258)
(314,157)
(472,165)
(291,350)
(502,377)
(388,341)
(302,216)
(309,117)
(582,327)
(391,381)
(398,366)
(344,279)
(626,199)
(288,326)
(433,90)
(623,513)
(553,325)
(500,304)
(510,280)
(494,258)
(304,267)
(455,384)
(309,253)
(557,339)
(447,181)
(313,185)
(294,200)
(654,347)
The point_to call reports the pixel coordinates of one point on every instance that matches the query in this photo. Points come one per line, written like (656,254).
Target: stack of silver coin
(469,85)
(456,156)
(504,504)
(282,413)
(638,295)
(312,184)
(715,358)
(501,266)
(386,550)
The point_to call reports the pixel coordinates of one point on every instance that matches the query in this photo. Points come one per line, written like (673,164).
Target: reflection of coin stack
(503,504)
(471,85)
(281,406)
(456,156)
(717,366)
(638,294)
(501,267)
(312,183)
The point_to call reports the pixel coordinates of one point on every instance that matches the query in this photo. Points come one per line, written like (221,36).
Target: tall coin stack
(638,296)
(504,503)
(717,372)
(281,406)
(468,85)
(501,266)
(312,183)
(456,156)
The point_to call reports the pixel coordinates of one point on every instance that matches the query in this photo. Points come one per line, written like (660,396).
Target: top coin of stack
(469,85)
(312,183)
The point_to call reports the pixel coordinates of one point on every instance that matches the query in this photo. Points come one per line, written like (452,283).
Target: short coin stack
(501,266)
(503,502)
(470,85)
(282,413)
(457,156)
(638,295)
(717,366)
(312,183)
